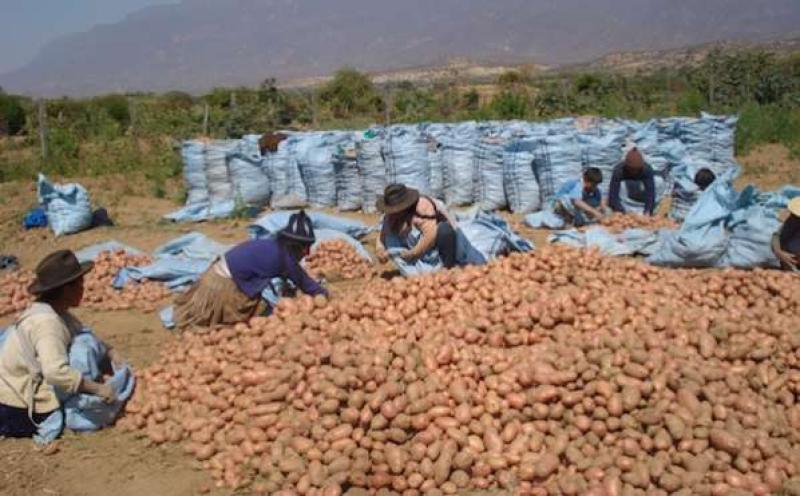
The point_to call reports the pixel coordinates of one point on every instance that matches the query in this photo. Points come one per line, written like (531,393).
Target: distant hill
(199,44)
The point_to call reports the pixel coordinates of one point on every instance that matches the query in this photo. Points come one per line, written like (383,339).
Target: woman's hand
(407,255)
(106,392)
(787,258)
(382,256)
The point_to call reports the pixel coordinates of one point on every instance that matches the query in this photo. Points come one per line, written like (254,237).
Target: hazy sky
(26,25)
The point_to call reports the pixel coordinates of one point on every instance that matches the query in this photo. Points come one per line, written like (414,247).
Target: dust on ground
(113,462)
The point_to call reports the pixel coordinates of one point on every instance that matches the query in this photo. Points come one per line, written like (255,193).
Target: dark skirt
(14,422)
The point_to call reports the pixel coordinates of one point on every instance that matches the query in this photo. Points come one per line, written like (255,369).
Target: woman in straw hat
(786,242)
(404,208)
(229,291)
(34,360)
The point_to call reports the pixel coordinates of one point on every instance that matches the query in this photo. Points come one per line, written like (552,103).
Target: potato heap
(98,292)
(337,259)
(14,296)
(618,222)
(559,372)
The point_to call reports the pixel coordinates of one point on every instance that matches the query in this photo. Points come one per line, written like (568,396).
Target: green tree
(350,93)
(12,114)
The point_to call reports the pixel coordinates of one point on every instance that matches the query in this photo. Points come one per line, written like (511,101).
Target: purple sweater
(253,264)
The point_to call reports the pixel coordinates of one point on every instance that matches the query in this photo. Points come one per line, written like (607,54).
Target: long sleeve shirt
(47,335)
(646,176)
(253,264)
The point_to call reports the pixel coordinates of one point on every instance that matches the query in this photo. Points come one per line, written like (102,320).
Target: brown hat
(396,198)
(58,269)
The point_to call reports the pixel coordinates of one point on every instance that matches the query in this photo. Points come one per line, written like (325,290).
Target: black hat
(299,228)
(396,198)
(58,269)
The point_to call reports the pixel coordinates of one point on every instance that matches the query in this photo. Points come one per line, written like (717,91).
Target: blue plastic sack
(87,413)
(250,182)
(84,412)
(348,181)
(556,160)
(194,171)
(67,206)
(314,154)
(286,181)
(710,138)
(218,176)
(519,180)
(406,155)
(371,168)
(489,154)
(270,224)
(704,237)
(35,218)
(458,164)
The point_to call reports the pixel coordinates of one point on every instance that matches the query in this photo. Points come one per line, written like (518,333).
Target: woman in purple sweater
(230,290)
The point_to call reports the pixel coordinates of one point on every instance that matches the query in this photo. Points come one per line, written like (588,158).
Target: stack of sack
(495,165)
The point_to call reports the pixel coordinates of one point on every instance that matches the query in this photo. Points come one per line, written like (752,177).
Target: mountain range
(195,45)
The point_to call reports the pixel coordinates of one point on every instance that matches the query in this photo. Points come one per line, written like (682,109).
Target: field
(113,462)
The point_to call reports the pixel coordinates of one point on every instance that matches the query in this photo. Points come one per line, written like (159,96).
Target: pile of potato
(98,292)
(559,372)
(337,259)
(618,222)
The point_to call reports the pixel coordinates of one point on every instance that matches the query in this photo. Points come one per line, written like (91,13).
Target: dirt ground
(111,462)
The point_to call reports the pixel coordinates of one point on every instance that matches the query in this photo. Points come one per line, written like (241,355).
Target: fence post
(387,105)
(43,128)
(132,116)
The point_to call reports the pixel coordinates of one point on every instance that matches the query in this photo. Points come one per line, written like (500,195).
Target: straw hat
(794,206)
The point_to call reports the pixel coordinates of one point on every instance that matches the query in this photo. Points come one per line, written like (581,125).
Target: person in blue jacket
(639,182)
(230,290)
(579,201)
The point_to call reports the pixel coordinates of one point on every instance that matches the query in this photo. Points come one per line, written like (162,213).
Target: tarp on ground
(201,212)
(628,242)
(270,224)
(481,237)
(91,252)
(67,206)
(177,263)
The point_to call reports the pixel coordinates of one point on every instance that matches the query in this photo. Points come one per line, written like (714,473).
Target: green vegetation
(141,132)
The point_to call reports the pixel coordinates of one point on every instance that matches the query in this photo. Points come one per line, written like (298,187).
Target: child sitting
(579,201)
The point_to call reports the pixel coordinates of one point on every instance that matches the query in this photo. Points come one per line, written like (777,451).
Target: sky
(27,25)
